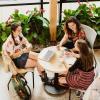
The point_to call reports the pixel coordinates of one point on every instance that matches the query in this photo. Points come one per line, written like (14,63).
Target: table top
(56,64)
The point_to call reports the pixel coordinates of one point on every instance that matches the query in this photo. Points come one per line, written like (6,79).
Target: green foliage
(4,32)
(34,27)
(89,15)
(60,32)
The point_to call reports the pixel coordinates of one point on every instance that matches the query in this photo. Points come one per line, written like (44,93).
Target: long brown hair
(74,20)
(86,54)
(14,26)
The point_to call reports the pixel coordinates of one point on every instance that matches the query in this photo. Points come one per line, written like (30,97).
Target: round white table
(57,63)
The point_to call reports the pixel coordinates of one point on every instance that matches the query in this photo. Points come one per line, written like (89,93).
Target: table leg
(56,79)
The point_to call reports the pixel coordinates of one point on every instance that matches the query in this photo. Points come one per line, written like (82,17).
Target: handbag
(21,87)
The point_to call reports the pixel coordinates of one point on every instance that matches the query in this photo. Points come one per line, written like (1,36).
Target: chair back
(90,34)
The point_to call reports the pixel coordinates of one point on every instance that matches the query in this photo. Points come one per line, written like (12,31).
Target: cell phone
(66,49)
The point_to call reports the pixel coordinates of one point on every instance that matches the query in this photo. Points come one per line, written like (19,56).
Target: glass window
(72,6)
(5,12)
(46,0)
(75,5)
(18,1)
(46,13)
(77,0)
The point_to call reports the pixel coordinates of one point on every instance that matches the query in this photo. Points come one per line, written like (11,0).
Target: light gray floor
(38,92)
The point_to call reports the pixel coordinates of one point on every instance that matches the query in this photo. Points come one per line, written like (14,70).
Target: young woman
(73,31)
(81,74)
(17,49)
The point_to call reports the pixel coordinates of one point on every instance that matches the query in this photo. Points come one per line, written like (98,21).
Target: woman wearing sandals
(17,54)
(81,74)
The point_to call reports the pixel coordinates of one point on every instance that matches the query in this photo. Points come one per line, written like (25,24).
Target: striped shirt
(79,79)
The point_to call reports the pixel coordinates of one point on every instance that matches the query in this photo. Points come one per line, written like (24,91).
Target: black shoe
(49,82)
(44,77)
(78,93)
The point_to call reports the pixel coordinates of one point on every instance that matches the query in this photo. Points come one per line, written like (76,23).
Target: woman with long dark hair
(81,74)
(73,31)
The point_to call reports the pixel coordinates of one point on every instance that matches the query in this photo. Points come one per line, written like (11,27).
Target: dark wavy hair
(86,54)
(14,26)
(74,20)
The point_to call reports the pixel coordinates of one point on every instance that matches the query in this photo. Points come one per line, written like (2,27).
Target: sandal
(51,82)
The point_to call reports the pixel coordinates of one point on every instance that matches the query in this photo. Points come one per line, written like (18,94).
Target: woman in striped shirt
(81,74)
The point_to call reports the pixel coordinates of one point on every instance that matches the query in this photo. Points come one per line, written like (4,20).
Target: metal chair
(90,34)
(7,59)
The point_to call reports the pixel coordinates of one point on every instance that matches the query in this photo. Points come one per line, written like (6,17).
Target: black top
(78,64)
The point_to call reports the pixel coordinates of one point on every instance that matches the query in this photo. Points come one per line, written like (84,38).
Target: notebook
(47,55)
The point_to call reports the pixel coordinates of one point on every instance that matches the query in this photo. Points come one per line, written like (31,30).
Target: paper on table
(69,60)
(46,55)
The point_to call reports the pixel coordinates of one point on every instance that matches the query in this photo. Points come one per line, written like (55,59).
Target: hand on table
(58,47)
(68,53)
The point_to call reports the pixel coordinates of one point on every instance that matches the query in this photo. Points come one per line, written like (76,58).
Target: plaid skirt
(20,62)
(80,79)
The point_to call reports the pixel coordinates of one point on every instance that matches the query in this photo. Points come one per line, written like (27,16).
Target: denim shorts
(20,62)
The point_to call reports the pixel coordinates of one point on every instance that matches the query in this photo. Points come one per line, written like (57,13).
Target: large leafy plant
(4,32)
(34,27)
(87,14)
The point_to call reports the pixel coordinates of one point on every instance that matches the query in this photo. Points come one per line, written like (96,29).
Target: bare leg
(33,55)
(40,69)
(32,62)
(62,80)
(23,70)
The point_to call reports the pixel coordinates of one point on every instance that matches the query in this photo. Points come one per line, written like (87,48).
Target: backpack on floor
(21,87)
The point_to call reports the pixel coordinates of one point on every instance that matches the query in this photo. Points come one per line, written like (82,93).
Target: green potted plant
(87,14)
(35,27)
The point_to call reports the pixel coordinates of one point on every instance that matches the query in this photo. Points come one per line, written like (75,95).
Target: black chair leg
(9,83)
(69,94)
(33,79)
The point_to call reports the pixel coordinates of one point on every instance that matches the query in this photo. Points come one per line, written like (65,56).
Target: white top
(8,48)
(58,63)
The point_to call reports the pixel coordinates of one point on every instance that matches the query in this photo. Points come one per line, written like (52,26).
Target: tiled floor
(38,92)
